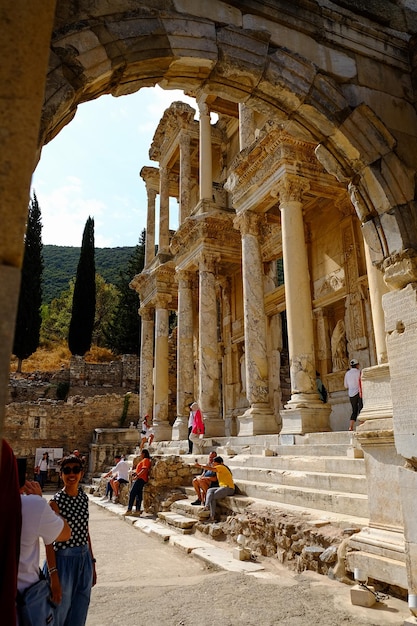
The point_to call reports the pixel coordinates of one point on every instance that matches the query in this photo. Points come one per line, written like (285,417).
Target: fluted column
(146,362)
(304,412)
(185,176)
(161,384)
(150,226)
(163,210)
(205,165)
(185,357)
(259,417)
(208,351)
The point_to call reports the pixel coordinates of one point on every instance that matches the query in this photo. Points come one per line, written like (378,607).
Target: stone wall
(68,425)
(116,374)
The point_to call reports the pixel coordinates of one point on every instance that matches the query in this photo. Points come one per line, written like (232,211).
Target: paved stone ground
(144,580)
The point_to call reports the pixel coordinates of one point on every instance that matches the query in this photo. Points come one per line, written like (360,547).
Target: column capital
(151,193)
(208,262)
(292,188)
(248,223)
(184,278)
(146,313)
(162,300)
(203,106)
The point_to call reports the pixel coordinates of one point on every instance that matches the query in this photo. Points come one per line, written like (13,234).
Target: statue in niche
(338,346)
(243,371)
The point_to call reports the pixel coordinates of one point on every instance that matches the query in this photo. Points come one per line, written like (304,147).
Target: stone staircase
(320,475)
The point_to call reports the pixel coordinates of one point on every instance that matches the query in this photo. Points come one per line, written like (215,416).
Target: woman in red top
(140,476)
(197,431)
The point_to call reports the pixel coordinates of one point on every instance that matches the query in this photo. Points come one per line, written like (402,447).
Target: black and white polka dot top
(74,509)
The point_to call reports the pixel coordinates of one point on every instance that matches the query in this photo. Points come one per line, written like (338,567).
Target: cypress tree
(84,299)
(28,320)
(123,336)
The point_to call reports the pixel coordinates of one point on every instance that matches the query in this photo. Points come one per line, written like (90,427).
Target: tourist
(147,434)
(226,486)
(70,565)
(207,479)
(109,489)
(43,469)
(140,478)
(120,476)
(38,520)
(190,427)
(353,384)
(321,389)
(197,429)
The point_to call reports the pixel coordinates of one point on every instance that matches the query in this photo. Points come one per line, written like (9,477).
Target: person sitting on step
(147,434)
(226,486)
(207,479)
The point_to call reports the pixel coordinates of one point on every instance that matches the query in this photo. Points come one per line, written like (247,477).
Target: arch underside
(119,53)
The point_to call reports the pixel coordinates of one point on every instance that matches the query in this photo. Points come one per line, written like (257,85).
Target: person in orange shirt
(140,476)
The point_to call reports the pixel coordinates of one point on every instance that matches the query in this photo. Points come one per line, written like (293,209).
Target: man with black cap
(353,385)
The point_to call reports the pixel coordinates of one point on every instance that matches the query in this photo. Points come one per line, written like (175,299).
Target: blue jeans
(34,605)
(75,570)
(136,494)
(216,493)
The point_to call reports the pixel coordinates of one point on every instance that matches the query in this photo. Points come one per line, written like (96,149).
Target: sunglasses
(71,470)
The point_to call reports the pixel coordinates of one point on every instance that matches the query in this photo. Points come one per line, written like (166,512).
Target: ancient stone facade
(336,79)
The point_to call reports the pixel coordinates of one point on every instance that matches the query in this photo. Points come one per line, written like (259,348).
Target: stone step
(183,523)
(332,501)
(327,464)
(239,504)
(346,483)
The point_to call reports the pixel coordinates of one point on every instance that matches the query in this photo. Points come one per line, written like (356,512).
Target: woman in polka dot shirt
(70,565)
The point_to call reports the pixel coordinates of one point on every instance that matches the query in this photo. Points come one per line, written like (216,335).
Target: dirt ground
(142,581)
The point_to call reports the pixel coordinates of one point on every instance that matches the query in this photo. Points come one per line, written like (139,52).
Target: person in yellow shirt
(226,485)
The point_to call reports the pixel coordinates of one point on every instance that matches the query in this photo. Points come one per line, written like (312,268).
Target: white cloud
(92,169)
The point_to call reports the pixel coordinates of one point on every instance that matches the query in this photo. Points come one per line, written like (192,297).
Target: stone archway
(234,54)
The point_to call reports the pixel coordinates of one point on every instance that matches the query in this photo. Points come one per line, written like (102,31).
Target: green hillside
(60,265)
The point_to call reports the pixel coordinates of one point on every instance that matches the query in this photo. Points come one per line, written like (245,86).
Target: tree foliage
(28,320)
(60,266)
(56,316)
(124,333)
(84,300)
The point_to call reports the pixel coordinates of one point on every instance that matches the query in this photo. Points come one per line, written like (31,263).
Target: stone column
(246,126)
(185,176)
(205,165)
(163,246)
(377,288)
(304,412)
(27,28)
(208,350)
(185,357)
(161,383)
(259,418)
(150,227)
(146,362)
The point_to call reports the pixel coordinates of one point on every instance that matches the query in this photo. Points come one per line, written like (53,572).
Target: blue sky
(92,169)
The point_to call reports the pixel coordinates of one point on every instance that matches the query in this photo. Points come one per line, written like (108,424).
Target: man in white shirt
(120,476)
(38,520)
(352,383)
